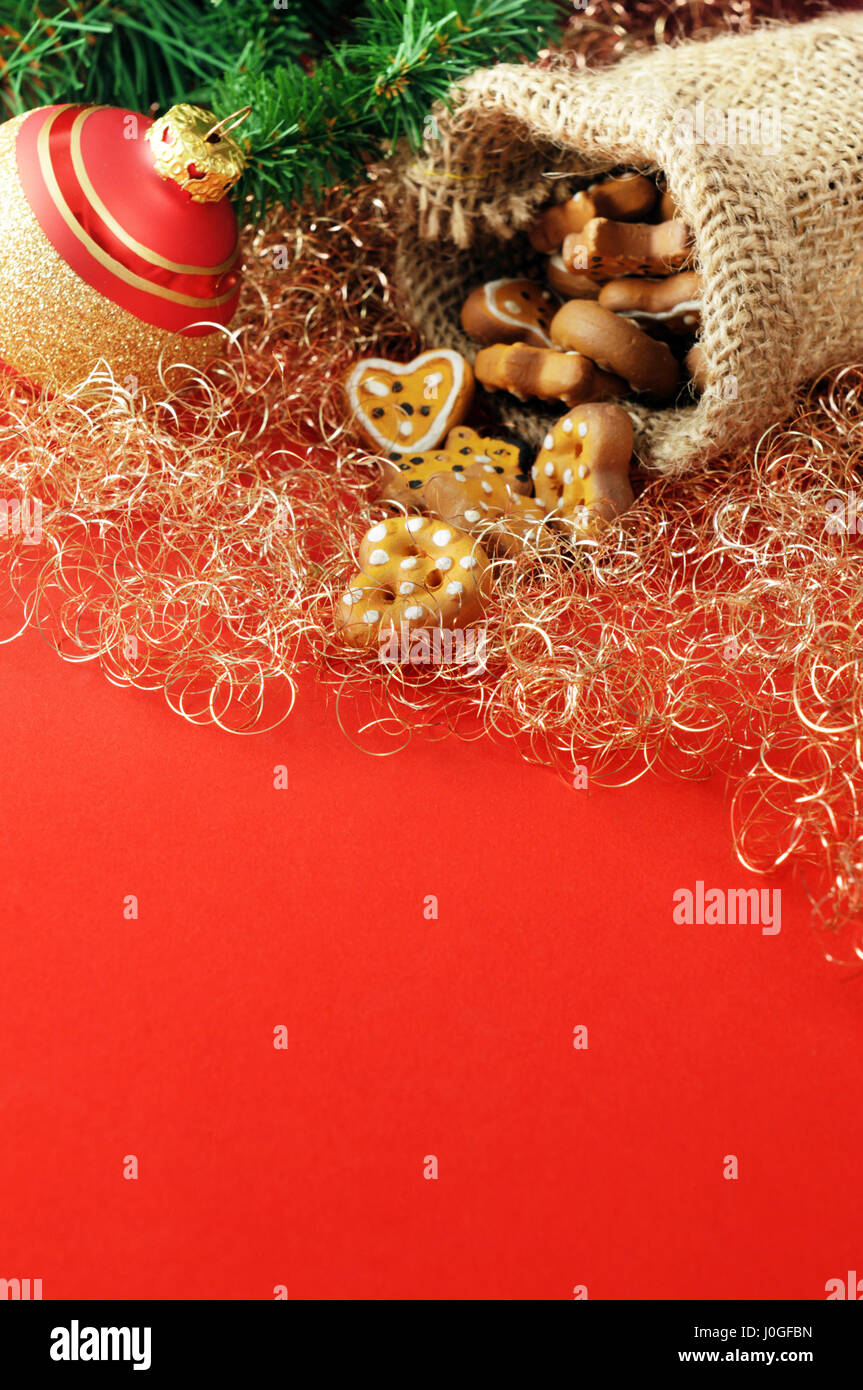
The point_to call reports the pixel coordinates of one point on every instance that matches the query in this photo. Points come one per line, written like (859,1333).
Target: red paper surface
(407,1037)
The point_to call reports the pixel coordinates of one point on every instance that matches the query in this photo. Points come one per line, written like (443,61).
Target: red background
(407,1037)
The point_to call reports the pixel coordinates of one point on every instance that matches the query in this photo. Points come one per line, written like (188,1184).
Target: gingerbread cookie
(506,521)
(616,345)
(407,408)
(414,570)
(571,284)
(405,480)
(668,208)
(672,302)
(528,371)
(696,365)
(615,249)
(468,498)
(509,311)
(581,474)
(523,526)
(628,198)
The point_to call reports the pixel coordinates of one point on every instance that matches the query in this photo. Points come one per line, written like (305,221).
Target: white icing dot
(482,458)
(567,477)
(534,471)
(433,379)
(371,615)
(454,588)
(414,610)
(548,442)
(468,562)
(583,470)
(488,468)
(567,426)
(442,537)
(512,306)
(377,388)
(378,557)
(472,515)
(582,428)
(460,477)
(414,523)
(405,428)
(377,533)
(410,563)
(445,563)
(560,504)
(549,469)
(353,596)
(407,587)
(486,487)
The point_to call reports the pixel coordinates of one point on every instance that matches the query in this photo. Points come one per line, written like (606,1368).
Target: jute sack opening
(777,220)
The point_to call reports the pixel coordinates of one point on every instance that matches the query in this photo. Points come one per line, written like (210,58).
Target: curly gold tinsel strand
(192,543)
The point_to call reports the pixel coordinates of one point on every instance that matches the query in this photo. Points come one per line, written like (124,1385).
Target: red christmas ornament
(118,243)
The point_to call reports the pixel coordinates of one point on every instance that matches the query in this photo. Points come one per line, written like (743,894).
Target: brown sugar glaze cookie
(509,311)
(524,371)
(673,303)
(610,250)
(631,197)
(617,345)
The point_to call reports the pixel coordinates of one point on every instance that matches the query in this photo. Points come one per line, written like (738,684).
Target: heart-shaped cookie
(408,408)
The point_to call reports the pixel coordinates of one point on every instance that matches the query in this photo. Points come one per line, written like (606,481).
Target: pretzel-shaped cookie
(414,570)
(581,474)
(405,481)
(506,521)
(616,345)
(630,197)
(528,371)
(615,249)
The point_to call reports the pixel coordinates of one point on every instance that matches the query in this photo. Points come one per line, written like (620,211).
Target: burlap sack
(778,222)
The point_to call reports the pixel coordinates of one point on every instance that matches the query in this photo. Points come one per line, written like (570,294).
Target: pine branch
(310,129)
(331,85)
(139,53)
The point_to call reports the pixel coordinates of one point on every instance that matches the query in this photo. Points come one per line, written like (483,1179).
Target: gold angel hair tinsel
(192,545)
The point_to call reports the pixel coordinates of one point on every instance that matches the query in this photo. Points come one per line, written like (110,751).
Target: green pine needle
(331,85)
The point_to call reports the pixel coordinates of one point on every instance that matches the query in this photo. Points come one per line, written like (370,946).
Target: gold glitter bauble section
(206,168)
(54,328)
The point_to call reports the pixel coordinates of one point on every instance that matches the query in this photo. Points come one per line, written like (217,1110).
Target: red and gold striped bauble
(117,243)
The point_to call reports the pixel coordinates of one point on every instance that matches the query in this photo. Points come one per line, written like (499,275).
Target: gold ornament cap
(198,152)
